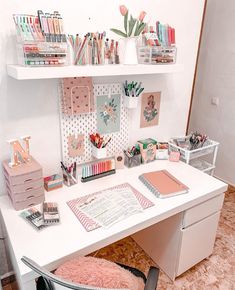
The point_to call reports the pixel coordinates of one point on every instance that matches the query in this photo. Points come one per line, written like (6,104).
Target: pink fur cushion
(99,273)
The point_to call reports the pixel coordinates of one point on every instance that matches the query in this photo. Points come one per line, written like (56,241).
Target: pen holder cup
(99,152)
(68,181)
(132,161)
(130,102)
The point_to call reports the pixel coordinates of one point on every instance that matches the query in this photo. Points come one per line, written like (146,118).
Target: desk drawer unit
(203,210)
(181,241)
(197,242)
(24,184)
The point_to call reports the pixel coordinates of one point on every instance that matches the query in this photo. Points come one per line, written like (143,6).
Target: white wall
(31,107)
(216,78)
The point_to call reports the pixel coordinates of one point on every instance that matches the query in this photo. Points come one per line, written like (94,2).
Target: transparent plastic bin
(208,148)
(157,55)
(202,165)
(132,161)
(43,53)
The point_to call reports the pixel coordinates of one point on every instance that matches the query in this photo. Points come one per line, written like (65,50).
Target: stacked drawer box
(24,184)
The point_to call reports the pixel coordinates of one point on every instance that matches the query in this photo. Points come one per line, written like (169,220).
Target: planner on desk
(163,184)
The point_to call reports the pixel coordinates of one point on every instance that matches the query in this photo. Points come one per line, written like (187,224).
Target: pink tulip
(123,10)
(142,15)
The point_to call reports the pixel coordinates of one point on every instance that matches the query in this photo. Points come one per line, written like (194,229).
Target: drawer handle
(27,180)
(31,196)
(29,188)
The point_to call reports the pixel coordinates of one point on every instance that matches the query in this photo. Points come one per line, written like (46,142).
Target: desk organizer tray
(88,223)
(208,148)
(42,53)
(24,184)
(157,55)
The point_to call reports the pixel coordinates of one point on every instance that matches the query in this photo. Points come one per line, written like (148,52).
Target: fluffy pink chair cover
(98,272)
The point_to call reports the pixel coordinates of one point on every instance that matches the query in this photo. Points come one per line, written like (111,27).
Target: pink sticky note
(174,156)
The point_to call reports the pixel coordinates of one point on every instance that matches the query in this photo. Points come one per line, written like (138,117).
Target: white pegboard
(87,124)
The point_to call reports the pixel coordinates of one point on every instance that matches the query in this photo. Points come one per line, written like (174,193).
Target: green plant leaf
(132,23)
(125,21)
(141,28)
(119,32)
(136,28)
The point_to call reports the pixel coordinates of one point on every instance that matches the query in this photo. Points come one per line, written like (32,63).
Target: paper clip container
(157,55)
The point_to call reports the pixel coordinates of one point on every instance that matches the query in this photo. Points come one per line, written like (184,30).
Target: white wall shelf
(29,73)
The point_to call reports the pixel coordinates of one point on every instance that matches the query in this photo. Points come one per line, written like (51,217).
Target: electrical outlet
(215,101)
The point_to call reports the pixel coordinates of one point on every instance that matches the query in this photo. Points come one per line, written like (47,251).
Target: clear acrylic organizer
(35,49)
(157,55)
(35,53)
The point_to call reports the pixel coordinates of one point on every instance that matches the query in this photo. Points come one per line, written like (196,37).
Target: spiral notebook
(162,184)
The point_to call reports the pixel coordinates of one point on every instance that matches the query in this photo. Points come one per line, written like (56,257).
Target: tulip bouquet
(132,26)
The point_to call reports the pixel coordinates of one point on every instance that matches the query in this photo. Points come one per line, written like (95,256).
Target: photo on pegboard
(76,145)
(108,113)
(150,108)
(78,95)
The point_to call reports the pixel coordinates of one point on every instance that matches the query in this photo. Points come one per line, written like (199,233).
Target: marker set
(98,169)
(41,39)
(43,27)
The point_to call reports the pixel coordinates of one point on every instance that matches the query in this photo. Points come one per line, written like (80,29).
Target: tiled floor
(216,272)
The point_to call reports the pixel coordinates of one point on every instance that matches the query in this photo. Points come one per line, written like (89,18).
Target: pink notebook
(78,96)
(163,184)
(90,224)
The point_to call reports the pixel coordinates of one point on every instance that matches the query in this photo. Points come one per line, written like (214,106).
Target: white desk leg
(161,242)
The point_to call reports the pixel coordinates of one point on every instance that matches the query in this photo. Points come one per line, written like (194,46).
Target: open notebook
(163,184)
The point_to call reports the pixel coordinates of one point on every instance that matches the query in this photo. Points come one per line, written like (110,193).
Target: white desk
(54,245)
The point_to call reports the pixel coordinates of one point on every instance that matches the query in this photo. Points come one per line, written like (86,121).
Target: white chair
(49,281)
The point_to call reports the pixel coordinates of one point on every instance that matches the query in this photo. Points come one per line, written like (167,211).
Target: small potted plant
(133,27)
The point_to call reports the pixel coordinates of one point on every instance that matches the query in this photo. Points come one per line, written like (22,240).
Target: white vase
(130,51)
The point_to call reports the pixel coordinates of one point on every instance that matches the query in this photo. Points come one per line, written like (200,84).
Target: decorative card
(150,107)
(75,145)
(108,113)
(78,96)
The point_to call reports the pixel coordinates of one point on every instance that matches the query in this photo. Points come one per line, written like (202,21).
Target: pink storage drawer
(23,196)
(24,173)
(28,203)
(23,188)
